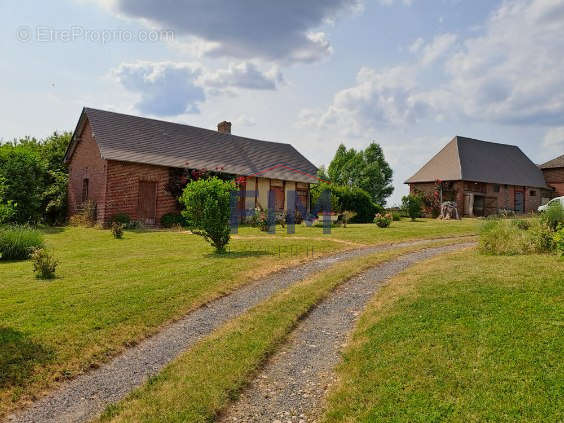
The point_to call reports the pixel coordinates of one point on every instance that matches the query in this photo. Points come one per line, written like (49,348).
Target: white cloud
(514,72)
(243,75)
(437,48)
(244,120)
(553,143)
(388,97)
(174,88)
(165,88)
(416,46)
(278,31)
(391,2)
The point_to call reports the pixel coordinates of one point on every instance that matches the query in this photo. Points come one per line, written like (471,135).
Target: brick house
(482,178)
(125,164)
(553,172)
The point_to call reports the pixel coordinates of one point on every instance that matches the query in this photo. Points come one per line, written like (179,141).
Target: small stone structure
(449,211)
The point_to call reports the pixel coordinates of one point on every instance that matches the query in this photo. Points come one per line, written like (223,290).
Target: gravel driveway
(86,396)
(293,383)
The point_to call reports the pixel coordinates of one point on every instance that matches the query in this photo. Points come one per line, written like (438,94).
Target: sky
(407,74)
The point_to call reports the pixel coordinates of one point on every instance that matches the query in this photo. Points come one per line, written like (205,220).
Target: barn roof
(556,162)
(468,159)
(141,140)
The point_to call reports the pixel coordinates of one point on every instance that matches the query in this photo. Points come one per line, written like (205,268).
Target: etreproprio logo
(294,205)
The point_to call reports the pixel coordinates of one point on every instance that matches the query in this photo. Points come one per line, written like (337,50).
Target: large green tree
(365,169)
(35,178)
(24,174)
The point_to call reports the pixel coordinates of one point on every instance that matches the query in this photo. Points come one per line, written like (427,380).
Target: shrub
(86,216)
(396,216)
(522,224)
(503,237)
(347,216)
(7,212)
(346,198)
(383,220)
(17,242)
(208,209)
(24,173)
(44,264)
(117,230)
(543,238)
(321,203)
(558,240)
(7,207)
(36,178)
(359,201)
(261,219)
(411,204)
(553,215)
(504,213)
(122,218)
(171,220)
(55,197)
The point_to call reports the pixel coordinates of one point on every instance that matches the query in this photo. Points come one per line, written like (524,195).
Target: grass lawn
(371,234)
(199,383)
(112,293)
(462,338)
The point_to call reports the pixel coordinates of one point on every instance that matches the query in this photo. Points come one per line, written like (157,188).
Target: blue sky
(409,74)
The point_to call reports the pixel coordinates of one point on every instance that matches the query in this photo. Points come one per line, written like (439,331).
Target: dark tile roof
(142,140)
(474,160)
(557,162)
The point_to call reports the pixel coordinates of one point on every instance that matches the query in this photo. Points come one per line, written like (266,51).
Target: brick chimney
(224,127)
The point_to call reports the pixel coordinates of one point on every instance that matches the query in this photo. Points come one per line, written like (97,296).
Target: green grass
(109,294)
(371,234)
(462,338)
(198,384)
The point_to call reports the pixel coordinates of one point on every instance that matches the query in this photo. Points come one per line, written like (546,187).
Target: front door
(519,204)
(147,204)
(278,195)
(479,205)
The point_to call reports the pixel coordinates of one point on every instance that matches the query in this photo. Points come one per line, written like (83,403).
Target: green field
(461,338)
(371,234)
(110,293)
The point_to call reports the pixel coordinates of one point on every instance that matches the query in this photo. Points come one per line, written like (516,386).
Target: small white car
(554,200)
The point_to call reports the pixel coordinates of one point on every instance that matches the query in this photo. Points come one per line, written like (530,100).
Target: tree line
(34,180)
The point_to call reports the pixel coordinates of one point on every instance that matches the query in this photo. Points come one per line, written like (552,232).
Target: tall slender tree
(366,169)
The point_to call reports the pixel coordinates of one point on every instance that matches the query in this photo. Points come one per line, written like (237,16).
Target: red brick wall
(429,187)
(532,203)
(505,196)
(86,162)
(123,189)
(555,178)
(113,185)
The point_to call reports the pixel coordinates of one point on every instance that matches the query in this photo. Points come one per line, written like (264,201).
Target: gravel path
(293,383)
(86,396)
